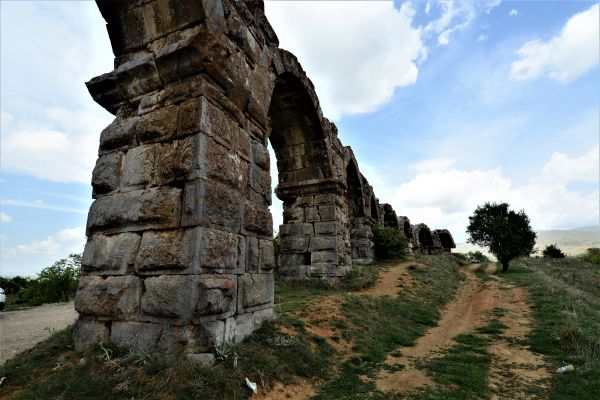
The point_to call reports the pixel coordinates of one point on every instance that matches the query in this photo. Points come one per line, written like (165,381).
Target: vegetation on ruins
(552,251)
(505,232)
(53,284)
(389,242)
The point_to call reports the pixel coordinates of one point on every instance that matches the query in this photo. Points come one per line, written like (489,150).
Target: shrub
(552,251)
(53,284)
(592,255)
(389,242)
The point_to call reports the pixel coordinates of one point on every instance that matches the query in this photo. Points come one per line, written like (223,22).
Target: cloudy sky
(446,105)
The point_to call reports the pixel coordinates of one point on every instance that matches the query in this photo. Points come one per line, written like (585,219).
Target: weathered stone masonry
(179,254)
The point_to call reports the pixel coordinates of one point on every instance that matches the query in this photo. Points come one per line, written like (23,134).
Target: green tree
(505,232)
(552,251)
(389,242)
(53,284)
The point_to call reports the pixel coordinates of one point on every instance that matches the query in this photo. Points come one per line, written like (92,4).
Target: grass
(566,320)
(374,327)
(379,325)
(463,370)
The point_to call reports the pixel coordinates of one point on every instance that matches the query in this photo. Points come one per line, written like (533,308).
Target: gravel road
(21,330)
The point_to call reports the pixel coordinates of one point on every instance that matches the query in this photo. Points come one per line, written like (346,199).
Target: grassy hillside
(334,343)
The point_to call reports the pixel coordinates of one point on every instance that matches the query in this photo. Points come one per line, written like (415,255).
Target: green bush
(472,257)
(552,251)
(592,255)
(53,284)
(13,285)
(389,242)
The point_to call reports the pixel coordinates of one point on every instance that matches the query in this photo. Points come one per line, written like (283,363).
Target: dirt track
(514,367)
(21,330)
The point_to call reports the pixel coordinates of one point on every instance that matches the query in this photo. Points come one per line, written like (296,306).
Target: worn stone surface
(110,255)
(115,297)
(169,298)
(88,333)
(180,252)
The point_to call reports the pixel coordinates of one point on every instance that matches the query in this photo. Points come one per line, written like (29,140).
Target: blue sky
(446,105)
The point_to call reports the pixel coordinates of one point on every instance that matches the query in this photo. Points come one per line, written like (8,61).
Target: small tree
(506,233)
(389,242)
(552,251)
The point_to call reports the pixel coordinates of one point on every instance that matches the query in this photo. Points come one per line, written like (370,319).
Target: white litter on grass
(564,369)
(251,385)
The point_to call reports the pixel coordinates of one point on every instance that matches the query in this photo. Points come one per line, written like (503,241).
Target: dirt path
(514,368)
(21,330)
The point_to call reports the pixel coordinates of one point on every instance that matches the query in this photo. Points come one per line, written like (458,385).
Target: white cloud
(434,164)
(447,198)
(356,53)
(513,13)
(63,242)
(5,217)
(456,16)
(482,37)
(41,205)
(564,169)
(50,124)
(50,154)
(564,57)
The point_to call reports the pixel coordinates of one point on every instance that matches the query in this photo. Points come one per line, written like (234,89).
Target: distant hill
(571,241)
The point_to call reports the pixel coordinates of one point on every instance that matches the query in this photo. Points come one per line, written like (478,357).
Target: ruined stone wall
(179,256)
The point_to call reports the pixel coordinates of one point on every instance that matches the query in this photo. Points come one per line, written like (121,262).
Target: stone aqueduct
(180,254)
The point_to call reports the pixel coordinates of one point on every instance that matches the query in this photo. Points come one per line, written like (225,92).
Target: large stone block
(291,260)
(260,181)
(88,333)
(169,299)
(267,255)
(260,156)
(139,166)
(244,326)
(255,290)
(158,126)
(294,244)
(110,255)
(323,257)
(261,316)
(226,166)
(318,243)
(142,209)
(203,337)
(216,297)
(296,229)
(116,297)
(169,252)
(327,228)
(140,337)
(312,214)
(221,252)
(119,134)
(107,173)
(258,219)
(202,116)
(329,212)
(211,202)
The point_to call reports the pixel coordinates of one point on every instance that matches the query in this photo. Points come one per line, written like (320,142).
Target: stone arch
(445,239)
(361,226)
(404,224)
(182,186)
(315,240)
(389,216)
(374,208)
(423,239)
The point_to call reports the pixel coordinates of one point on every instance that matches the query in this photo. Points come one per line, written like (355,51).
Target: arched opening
(446,241)
(390,219)
(407,230)
(374,209)
(296,135)
(311,233)
(354,193)
(425,239)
